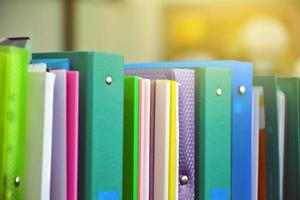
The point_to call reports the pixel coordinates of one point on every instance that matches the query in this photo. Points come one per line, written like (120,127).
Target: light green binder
(13,90)
(213,133)
(291,89)
(270,88)
(101,104)
(131,138)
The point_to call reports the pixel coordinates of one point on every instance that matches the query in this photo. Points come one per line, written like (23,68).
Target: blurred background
(265,32)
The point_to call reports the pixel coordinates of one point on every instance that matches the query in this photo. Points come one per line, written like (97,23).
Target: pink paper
(72,133)
(141,139)
(144,138)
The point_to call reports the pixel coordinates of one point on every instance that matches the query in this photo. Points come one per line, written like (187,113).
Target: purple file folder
(186,81)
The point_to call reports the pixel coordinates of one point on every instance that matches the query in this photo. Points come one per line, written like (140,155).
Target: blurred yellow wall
(134,28)
(130,27)
(41,20)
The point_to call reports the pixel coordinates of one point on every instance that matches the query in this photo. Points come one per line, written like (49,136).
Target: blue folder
(241,118)
(54,63)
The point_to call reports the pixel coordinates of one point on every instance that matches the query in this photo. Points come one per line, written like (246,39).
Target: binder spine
(106,139)
(213,134)
(241,130)
(13,131)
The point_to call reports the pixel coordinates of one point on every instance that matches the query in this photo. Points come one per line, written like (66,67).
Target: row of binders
(84,125)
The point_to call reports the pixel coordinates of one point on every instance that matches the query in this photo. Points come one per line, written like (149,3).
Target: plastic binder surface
(213,157)
(13,108)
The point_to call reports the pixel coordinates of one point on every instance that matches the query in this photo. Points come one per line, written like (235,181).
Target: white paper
(162,131)
(39,135)
(147,137)
(255,140)
(281,127)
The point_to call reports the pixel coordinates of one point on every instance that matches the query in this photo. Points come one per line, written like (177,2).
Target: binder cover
(72,133)
(131,138)
(59,138)
(241,119)
(100,122)
(54,63)
(144,129)
(174,141)
(13,108)
(186,79)
(162,133)
(269,84)
(291,89)
(213,135)
(39,135)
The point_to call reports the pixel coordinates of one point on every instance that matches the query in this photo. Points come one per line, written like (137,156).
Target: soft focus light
(265,36)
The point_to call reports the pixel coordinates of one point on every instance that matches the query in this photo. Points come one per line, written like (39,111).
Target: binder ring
(17,181)
(242,89)
(108,80)
(184,180)
(219,92)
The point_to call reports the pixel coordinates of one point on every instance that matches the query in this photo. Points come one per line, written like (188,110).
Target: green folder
(270,88)
(13,94)
(213,133)
(100,122)
(291,89)
(131,140)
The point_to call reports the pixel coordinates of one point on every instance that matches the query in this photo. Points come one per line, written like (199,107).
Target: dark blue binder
(241,118)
